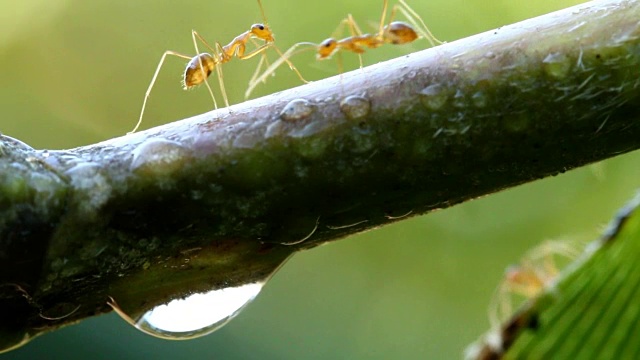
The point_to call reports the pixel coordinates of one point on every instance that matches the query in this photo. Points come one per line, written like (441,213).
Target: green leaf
(589,311)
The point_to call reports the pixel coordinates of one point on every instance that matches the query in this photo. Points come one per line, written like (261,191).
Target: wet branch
(224,198)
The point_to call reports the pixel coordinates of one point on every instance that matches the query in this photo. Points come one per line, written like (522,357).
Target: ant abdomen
(398,32)
(193,75)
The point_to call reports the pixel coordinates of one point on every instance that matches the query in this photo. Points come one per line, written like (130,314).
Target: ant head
(262,31)
(399,32)
(327,48)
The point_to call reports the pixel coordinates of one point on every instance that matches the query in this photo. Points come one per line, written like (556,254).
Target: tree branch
(224,198)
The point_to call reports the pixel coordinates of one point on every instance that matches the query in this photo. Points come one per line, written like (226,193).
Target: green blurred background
(74,72)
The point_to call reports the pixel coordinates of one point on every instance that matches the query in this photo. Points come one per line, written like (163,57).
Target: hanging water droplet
(196,315)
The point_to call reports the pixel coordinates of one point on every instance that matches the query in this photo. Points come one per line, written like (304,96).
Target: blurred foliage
(596,315)
(74,72)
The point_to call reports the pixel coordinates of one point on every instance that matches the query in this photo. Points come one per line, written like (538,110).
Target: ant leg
(263,60)
(499,305)
(263,55)
(411,15)
(355,31)
(194,35)
(242,56)
(153,80)
(339,30)
(264,17)
(260,50)
(353,26)
(340,70)
(382,18)
(256,73)
(218,55)
(284,57)
(562,248)
(291,66)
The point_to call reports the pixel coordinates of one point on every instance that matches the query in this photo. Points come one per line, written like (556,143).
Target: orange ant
(537,271)
(395,32)
(202,65)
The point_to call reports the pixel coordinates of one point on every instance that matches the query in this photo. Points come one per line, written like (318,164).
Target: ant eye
(261,27)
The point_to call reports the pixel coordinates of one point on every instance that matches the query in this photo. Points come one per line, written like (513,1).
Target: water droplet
(297,110)
(196,315)
(411,75)
(355,107)
(158,157)
(556,65)
(433,96)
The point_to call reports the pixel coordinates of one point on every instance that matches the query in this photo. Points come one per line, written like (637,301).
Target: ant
(202,65)
(395,32)
(537,271)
